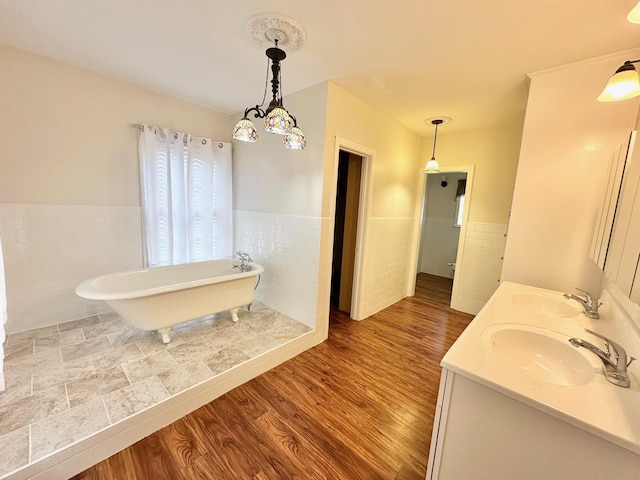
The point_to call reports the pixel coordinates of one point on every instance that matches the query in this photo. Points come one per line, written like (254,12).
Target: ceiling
(413,59)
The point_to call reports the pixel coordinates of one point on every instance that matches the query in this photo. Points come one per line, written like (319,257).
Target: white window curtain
(186,197)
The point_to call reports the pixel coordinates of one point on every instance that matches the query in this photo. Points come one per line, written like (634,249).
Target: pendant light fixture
(432,165)
(623,84)
(278,30)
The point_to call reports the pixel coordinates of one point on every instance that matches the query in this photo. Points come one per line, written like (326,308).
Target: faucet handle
(618,350)
(631,359)
(591,303)
(245,257)
(587,294)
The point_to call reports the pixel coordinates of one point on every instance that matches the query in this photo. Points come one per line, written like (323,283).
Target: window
(186,197)
(460,191)
(459,210)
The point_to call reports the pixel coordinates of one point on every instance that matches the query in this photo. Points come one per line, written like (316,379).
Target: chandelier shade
(278,121)
(245,131)
(294,138)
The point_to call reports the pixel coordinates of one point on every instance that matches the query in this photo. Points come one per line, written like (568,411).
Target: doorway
(446,203)
(345,229)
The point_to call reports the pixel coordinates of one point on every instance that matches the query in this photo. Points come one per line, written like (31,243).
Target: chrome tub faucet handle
(245,259)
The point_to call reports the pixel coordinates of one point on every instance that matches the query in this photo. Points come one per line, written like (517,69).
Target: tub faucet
(614,371)
(245,258)
(589,305)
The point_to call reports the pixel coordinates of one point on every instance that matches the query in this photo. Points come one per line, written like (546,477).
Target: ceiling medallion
(265,28)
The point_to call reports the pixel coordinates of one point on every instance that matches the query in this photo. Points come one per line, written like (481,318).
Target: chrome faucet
(589,305)
(245,258)
(614,371)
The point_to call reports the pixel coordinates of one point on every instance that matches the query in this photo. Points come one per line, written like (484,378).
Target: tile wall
(386,262)
(49,249)
(288,247)
(479,275)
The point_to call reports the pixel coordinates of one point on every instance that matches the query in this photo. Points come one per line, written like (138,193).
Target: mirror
(622,253)
(604,222)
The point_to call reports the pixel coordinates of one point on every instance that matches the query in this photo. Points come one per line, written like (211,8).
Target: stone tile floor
(67,381)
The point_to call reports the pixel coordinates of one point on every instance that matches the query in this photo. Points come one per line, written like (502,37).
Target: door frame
(469,170)
(364,207)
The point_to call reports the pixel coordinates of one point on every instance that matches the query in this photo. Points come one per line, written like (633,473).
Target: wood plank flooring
(358,406)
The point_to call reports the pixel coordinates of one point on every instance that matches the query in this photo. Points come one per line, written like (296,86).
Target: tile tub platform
(70,381)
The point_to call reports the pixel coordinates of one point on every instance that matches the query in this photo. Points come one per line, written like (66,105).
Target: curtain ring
(204,142)
(220,145)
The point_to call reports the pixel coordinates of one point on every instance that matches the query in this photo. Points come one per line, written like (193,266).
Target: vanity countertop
(589,402)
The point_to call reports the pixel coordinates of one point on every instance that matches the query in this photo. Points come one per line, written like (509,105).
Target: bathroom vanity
(518,401)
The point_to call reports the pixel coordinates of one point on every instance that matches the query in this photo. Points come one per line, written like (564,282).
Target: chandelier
(275,29)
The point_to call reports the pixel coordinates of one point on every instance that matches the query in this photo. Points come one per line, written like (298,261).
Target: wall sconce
(623,84)
(273,28)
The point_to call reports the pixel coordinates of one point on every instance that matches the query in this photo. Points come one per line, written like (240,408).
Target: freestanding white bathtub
(160,297)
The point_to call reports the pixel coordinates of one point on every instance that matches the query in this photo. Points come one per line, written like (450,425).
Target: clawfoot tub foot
(165,334)
(234,314)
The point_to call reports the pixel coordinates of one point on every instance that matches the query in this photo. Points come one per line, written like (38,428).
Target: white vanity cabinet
(481,434)
(496,421)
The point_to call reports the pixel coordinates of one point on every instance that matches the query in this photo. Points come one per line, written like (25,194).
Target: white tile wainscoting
(386,260)
(481,266)
(288,247)
(296,281)
(49,249)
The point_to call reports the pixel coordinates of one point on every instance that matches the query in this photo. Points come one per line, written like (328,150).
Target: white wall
(439,237)
(277,198)
(566,147)
(69,188)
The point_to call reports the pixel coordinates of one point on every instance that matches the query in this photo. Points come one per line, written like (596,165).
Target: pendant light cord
(435,138)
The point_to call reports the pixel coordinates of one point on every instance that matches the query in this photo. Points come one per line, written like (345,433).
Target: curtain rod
(204,142)
(141,128)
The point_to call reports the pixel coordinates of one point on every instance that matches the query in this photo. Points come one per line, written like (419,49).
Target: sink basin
(541,354)
(545,305)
